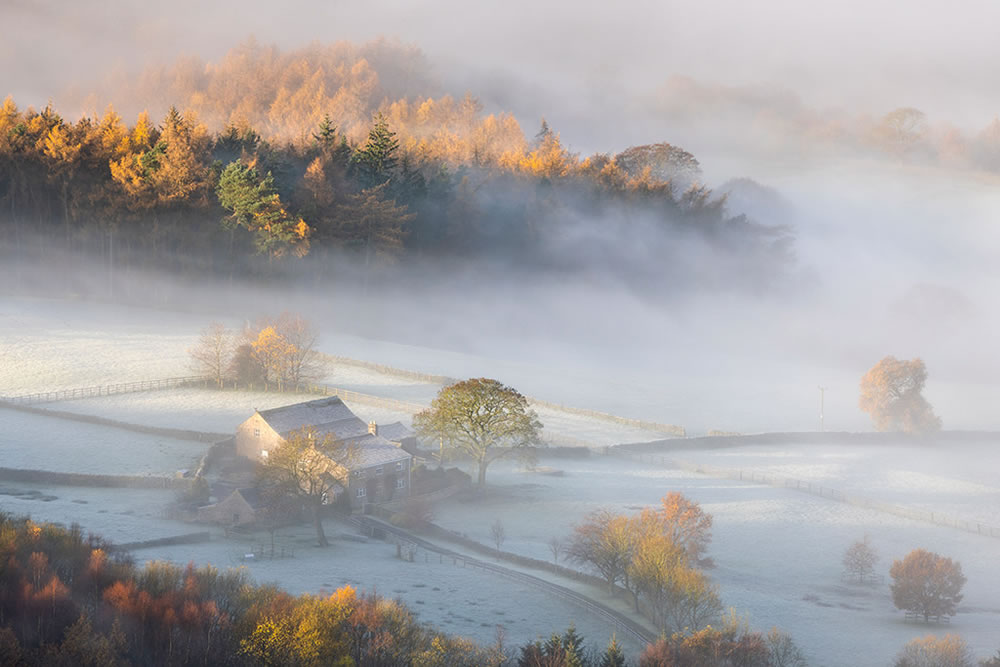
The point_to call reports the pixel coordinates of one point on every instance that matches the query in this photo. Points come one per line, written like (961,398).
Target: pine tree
(573,645)
(377,159)
(326,134)
(613,656)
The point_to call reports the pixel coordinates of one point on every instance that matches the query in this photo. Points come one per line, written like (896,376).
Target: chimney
(373,428)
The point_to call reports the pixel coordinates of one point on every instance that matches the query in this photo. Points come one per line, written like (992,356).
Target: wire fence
(104,390)
(805,486)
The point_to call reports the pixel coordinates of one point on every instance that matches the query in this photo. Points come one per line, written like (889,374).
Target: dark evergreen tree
(376,160)
(613,656)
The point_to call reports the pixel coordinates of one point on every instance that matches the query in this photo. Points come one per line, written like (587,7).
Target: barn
(379,471)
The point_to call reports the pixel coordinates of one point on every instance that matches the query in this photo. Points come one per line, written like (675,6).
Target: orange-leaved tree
(891,392)
(927,584)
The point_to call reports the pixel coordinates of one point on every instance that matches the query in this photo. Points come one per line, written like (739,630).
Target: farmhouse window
(399,465)
(401,483)
(361,492)
(236,517)
(256,433)
(378,470)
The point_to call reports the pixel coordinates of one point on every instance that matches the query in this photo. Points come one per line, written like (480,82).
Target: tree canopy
(927,584)
(892,393)
(483,419)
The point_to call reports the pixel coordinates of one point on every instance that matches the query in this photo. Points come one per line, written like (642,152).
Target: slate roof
(322,411)
(342,429)
(395,432)
(331,416)
(374,450)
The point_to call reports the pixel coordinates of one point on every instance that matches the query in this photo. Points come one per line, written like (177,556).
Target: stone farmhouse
(381,467)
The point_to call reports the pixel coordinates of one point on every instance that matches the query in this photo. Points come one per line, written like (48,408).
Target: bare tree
(498,533)
(212,355)
(305,363)
(556,547)
(860,559)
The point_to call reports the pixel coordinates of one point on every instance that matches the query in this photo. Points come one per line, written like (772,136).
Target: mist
(838,243)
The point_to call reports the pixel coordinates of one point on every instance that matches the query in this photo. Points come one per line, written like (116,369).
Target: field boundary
(102,390)
(25,401)
(186,538)
(671,429)
(805,486)
(176,434)
(84,479)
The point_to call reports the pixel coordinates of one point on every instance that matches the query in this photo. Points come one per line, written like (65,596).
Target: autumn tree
(930,651)
(685,524)
(926,584)
(891,392)
(212,355)
(902,128)
(662,162)
(860,559)
(483,419)
(605,542)
(279,350)
(679,597)
(308,466)
(273,354)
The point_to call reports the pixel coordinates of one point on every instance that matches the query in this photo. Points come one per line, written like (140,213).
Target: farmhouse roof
(316,413)
(395,432)
(342,429)
(371,450)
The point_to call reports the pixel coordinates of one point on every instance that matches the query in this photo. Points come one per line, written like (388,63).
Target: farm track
(620,621)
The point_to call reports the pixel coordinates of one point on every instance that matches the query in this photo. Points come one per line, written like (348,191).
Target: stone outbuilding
(238,508)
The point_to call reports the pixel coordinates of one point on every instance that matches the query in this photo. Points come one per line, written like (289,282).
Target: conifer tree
(376,160)
(613,656)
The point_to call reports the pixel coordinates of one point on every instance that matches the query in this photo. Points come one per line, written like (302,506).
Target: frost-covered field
(45,443)
(777,552)
(460,601)
(203,409)
(957,479)
(48,345)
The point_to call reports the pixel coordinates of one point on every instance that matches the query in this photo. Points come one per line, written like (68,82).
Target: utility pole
(822,424)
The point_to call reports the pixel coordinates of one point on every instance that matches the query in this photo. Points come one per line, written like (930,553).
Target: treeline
(309,162)
(71,599)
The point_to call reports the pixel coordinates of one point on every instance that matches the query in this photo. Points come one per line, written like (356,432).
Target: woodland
(332,159)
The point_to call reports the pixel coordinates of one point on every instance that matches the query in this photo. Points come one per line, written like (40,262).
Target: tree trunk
(482,472)
(320,535)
